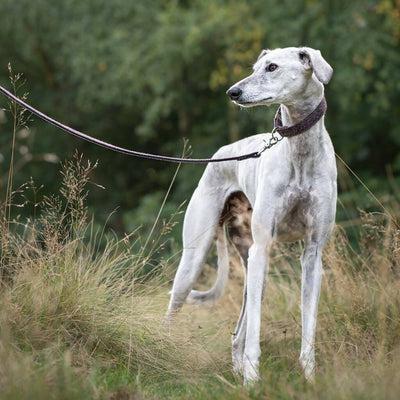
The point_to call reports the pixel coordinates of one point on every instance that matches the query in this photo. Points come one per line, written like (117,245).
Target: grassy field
(81,316)
(81,310)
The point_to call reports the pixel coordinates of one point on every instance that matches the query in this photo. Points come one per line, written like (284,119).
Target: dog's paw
(250,373)
(308,365)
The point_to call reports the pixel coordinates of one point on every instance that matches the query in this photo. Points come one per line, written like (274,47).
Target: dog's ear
(263,53)
(311,58)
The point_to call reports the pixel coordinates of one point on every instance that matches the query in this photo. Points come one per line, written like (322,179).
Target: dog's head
(282,76)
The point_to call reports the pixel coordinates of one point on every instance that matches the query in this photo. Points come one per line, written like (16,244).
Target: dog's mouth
(266,102)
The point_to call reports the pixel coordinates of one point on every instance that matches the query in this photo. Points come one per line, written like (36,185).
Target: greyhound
(287,194)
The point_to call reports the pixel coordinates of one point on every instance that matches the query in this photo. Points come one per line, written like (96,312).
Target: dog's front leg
(311,282)
(257,270)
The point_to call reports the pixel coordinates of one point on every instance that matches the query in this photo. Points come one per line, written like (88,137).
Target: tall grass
(64,303)
(81,315)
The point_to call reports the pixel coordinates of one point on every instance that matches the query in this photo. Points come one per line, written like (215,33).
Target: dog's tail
(211,296)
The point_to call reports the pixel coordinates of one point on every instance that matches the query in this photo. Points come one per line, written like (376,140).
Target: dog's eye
(271,67)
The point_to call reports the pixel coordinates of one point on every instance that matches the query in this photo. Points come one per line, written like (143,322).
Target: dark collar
(302,126)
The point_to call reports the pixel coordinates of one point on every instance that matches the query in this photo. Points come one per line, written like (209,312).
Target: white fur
(292,190)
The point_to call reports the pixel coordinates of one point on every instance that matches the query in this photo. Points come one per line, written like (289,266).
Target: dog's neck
(303,147)
(304,125)
(296,111)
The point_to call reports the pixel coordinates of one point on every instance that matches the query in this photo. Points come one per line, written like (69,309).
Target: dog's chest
(294,213)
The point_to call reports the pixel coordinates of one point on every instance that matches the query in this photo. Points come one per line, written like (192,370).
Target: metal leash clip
(272,141)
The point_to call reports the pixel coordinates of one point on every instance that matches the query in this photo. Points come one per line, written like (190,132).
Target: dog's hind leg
(211,296)
(201,221)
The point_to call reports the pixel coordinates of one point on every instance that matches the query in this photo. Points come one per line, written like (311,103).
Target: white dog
(289,193)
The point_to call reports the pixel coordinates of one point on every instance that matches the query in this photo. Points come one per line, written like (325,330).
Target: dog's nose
(234,92)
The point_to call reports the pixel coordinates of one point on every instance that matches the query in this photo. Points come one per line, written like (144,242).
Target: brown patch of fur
(237,216)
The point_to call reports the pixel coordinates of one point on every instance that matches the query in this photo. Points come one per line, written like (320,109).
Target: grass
(81,313)
(78,321)
(68,308)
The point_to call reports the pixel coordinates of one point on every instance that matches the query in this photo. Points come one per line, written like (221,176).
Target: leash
(122,150)
(282,131)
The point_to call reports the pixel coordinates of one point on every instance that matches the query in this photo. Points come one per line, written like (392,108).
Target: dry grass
(80,318)
(79,321)
(73,301)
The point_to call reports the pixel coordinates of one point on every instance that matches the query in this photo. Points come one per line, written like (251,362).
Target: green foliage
(145,74)
(81,310)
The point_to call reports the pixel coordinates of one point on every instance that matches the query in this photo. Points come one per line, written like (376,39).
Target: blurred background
(147,74)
